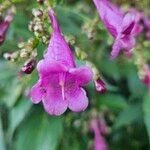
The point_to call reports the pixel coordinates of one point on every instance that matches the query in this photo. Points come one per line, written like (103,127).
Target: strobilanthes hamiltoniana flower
(99,128)
(4,25)
(119,25)
(60,82)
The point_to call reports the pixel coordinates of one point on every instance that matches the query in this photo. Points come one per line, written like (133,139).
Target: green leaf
(18,113)
(39,132)
(135,85)
(12,93)
(115,102)
(128,116)
(2,143)
(110,68)
(146,109)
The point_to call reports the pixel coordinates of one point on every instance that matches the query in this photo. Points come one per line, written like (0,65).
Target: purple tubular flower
(99,141)
(100,86)
(119,25)
(60,81)
(4,26)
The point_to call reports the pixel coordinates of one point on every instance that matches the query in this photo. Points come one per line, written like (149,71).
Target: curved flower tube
(99,140)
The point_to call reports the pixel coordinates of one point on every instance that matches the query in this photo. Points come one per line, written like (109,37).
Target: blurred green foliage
(126,105)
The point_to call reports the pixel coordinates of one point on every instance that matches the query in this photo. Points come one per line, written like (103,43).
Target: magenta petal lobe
(77,100)
(36,93)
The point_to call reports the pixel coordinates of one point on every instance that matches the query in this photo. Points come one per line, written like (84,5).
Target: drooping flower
(100,85)
(99,140)
(4,26)
(119,25)
(60,81)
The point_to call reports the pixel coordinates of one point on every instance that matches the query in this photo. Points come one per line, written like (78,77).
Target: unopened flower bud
(40,1)
(100,86)
(14,56)
(38,28)
(7,56)
(80,54)
(146,77)
(37,13)
(24,53)
(29,66)
(21,44)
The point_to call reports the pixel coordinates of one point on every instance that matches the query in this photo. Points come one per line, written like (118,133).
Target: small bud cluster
(26,51)
(142,66)
(4,6)
(89,28)
(37,25)
(80,54)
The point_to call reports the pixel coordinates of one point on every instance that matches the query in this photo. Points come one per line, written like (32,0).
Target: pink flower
(4,26)
(147,27)
(99,140)
(146,78)
(60,81)
(119,25)
(147,23)
(100,86)
(148,35)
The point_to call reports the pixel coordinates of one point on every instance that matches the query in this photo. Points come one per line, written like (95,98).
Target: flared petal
(82,75)
(36,93)
(54,103)
(137,29)
(110,14)
(45,67)
(77,99)
(128,23)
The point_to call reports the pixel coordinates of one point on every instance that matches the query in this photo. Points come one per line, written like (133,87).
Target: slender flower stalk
(120,26)
(60,82)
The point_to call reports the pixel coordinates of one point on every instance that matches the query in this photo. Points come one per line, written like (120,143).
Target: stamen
(62,84)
